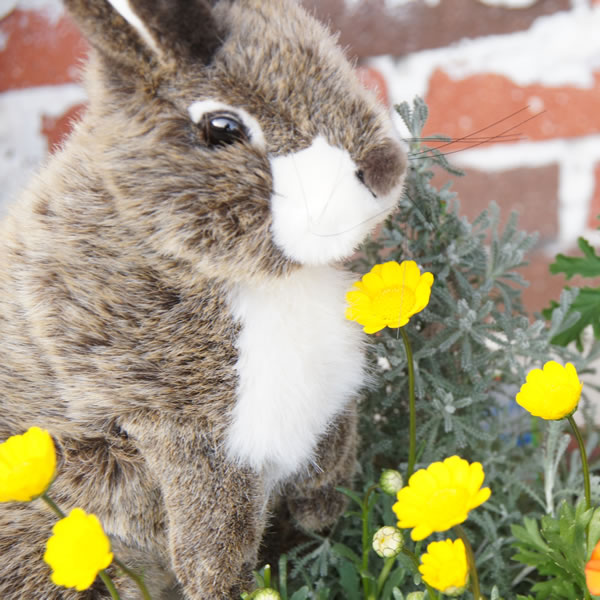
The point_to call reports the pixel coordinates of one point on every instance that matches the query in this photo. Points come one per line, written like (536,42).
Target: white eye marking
(198,109)
(125,10)
(321,210)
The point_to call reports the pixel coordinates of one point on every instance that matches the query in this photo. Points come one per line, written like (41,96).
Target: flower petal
(552,392)
(440,496)
(409,275)
(423,292)
(373,283)
(27,465)
(445,567)
(77,550)
(394,291)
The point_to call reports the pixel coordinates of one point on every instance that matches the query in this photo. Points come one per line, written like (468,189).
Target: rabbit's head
(235,135)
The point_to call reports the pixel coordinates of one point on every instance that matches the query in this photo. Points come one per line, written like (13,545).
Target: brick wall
(483,66)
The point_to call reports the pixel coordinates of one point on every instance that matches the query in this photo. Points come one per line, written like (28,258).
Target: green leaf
(532,534)
(588,265)
(346,552)
(349,580)
(394,580)
(302,594)
(557,549)
(587,305)
(353,495)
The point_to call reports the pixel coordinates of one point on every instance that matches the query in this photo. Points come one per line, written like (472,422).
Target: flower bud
(388,542)
(391,482)
(453,592)
(266,594)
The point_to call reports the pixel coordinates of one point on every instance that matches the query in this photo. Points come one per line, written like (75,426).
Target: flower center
(394,303)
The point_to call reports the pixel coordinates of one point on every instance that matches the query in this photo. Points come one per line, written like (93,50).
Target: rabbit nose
(381,170)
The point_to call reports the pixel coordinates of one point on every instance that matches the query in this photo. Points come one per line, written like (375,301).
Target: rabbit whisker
(473,133)
(377,215)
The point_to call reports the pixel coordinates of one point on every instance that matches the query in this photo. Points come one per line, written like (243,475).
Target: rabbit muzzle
(324,203)
(383,168)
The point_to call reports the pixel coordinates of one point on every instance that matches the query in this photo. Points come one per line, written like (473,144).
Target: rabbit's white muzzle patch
(321,209)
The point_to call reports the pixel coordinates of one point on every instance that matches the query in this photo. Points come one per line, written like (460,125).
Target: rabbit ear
(136,31)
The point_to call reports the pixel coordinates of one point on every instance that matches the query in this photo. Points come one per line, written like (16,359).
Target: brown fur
(114,267)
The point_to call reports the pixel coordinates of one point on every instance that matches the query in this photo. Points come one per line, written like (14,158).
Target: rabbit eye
(222,130)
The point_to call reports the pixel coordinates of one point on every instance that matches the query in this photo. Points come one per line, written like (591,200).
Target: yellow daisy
(78,550)
(389,295)
(441,496)
(27,465)
(552,392)
(444,567)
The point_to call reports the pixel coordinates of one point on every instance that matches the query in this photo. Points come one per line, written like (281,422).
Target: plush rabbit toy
(170,306)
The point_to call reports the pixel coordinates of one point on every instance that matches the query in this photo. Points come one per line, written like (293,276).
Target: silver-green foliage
(473,346)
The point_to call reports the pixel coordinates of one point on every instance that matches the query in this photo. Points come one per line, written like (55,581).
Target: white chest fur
(300,362)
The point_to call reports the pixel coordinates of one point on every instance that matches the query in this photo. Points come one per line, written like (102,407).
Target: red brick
(531,192)
(377,27)
(458,108)
(56,129)
(39,51)
(373,80)
(543,285)
(594,214)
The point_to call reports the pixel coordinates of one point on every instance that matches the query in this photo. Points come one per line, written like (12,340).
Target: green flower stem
(415,561)
(138,580)
(52,505)
(107,580)
(584,462)
(110,585)
(412,443)
(462,534)
(366,544)
(387,567)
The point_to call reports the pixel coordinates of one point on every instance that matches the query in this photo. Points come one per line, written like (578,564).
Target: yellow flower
(389,295)
(551,393)
(27,465)
(441,496)
(445,568)
(77,550)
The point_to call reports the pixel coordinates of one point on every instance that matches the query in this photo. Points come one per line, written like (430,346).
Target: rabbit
(173,292)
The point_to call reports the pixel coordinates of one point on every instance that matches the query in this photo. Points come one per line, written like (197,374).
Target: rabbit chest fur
(171,296)
(300,364)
